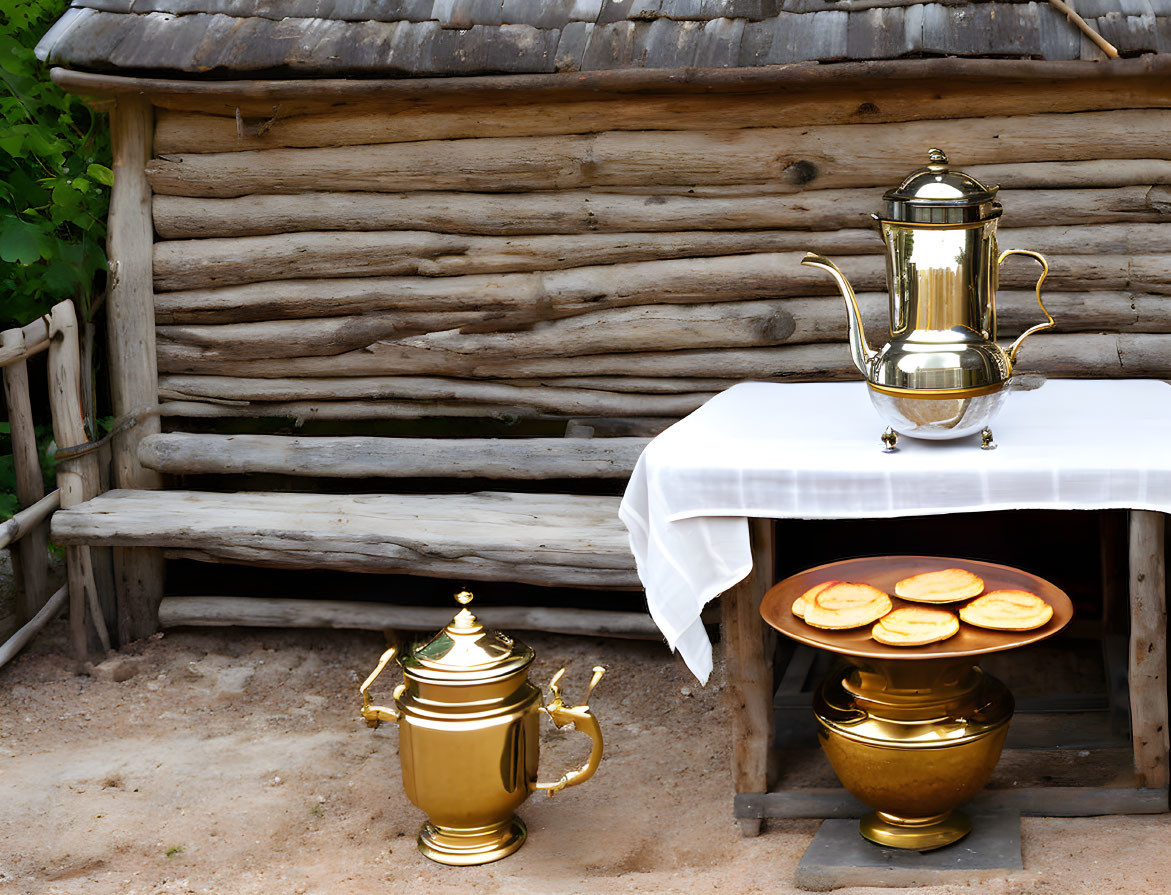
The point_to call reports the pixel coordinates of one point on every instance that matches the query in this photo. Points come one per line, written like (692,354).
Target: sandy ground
(235,761)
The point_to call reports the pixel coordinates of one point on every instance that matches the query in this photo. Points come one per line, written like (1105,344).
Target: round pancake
(846,604)
(943,586)
(915,626)
(1007,610)
(802,601)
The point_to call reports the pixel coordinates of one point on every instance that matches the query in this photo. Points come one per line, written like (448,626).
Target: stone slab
(839,857)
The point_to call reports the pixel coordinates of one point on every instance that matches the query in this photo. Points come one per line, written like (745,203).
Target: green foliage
(53,183)
(44,437)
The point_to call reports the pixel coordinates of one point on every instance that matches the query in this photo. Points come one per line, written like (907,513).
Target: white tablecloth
(812,451)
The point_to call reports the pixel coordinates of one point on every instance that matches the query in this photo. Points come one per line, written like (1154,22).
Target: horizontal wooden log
(18,641)
(561,539)
(20,343)
(179,453)
(585,211)
(817,157)
(208,263)
(326,93)
(665,327)
(446,118)
(557,292)
(275,612)
(429,394)
(19,525)
(1076,355)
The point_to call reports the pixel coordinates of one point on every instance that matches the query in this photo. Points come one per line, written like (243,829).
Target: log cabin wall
(552,254)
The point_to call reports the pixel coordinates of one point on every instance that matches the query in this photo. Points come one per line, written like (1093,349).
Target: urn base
(915,833)
(465,847)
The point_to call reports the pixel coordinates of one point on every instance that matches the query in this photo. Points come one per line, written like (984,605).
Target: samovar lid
(465,651)
(938,195)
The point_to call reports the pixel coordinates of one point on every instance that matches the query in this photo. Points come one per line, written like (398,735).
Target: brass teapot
(468,718)
(941,375)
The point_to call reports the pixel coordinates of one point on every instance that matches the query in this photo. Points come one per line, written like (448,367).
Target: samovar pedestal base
(470,846)
(919,833)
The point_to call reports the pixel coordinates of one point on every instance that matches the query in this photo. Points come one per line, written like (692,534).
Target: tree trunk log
(665,327)
(273,612)
(818,157)
(179,453)
(457,118)
(552,539)
(583,211)
(208,263)
(90,583)
(133,374)
(1073,355)
(31,556)
(1147,671)
(390,396)
(539,293)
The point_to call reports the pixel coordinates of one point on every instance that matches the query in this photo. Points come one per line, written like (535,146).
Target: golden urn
(468,717)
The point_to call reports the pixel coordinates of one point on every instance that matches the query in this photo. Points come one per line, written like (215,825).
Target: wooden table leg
(750,671)
(1148,649)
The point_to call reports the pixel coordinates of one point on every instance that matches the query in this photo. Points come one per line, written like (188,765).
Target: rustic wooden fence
(77,478)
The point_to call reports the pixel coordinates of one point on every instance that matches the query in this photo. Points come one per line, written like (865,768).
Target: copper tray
(882,572)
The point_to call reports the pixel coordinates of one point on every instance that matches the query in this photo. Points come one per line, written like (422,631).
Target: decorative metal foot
(986,442)
(890,440)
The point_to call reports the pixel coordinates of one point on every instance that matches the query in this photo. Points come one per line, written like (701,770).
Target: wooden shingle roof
(394,38)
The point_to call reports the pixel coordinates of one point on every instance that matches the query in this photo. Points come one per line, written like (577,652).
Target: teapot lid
(937,195)
(466,652)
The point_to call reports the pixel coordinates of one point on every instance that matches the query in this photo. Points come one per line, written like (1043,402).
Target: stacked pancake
(841,605)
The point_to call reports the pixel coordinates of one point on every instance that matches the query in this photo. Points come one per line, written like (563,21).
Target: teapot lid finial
(936,157)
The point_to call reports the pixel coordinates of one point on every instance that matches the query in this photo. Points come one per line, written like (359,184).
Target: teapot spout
(860,351)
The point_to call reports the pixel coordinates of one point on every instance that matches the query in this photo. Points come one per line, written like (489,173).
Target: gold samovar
(468,718)
(941,375)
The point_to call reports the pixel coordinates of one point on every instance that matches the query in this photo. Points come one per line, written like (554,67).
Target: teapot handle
(583,720)
(1015,347)
(376,714)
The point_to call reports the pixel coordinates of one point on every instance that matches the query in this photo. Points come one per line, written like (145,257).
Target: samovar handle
(376,714)
(583,720)
(1037,256)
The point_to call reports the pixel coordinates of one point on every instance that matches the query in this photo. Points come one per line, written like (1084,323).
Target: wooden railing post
(31,554)
(138,571)
(78,480)
(1148,649)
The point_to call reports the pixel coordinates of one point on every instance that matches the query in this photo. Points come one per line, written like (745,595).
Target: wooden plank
(550,539)
(343,614)
(130,325)
(1031,801)
(586,211)
(211,263)
(1148,648)
(814,157)
(31,557)
(90,589)
(748,654)
(179,453)
(252,397)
